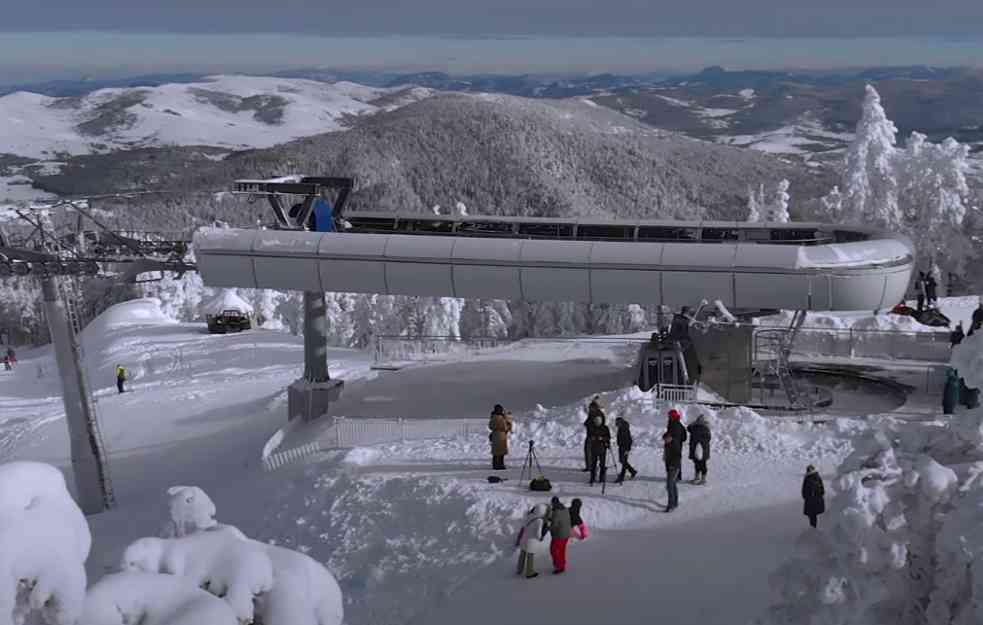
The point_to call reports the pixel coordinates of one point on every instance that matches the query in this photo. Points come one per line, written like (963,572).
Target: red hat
(674,415)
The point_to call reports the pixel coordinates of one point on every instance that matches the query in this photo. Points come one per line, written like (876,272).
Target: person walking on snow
(560,529)
(501,426)
(6,363)
(578,527)
(600,442)
(673,440)
(120,378)
(12,356)
(950,394)
(699,448)
(624,448)
(978,315)
(814,495)
(530,540)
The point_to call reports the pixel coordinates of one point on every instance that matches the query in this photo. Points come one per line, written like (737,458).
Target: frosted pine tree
(870,186)
(754,203)
(778,207)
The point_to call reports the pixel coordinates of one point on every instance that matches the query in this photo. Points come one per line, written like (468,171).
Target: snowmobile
(229,320)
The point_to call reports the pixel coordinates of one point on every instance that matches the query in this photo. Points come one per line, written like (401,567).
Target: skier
(950,395)
(931,290)
(120,378)
(600,442)
(920,291)
(673,440)
(593,410)
(530,539)
(578,527)
(699,448)
(956,336)
(559,534)
(624,448)
(501,426)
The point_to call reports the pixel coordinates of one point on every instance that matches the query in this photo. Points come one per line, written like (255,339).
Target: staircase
(772,351)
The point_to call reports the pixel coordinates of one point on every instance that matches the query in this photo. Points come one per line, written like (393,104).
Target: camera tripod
(608,453)
(527,464)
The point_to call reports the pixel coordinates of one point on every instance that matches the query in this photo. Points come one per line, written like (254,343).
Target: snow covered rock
(153,599)
(304,592)
(219,561)
(191,510)
(44,541)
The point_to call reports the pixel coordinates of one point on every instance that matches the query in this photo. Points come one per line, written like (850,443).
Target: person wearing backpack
(624,448)
(699,448)
(560,530)
(813,495)
(530,540)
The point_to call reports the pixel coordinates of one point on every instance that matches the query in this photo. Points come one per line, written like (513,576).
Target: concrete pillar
(311,397)
(315,338)
(88,457)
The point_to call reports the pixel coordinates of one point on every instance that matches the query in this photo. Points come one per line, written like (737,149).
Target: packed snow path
(684,571)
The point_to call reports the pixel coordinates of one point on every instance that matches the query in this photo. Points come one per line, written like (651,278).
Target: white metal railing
(345,432)
(676,393)
(395,349)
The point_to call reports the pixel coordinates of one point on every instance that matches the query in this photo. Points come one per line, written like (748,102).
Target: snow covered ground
(413,531)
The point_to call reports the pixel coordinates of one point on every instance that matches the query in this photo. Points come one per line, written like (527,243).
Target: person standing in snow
(593,410)
(920,291)
(624,448)
(560,529)
(931,291)
(6,363)
(957,335)
(578,527)
(120,378)
(501,426)
(12,356)
(814,495)
(978,315)
(699,448)
(950,395)
(530,539)
(599,441)
(673,440)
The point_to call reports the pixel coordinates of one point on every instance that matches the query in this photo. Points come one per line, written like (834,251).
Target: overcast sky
(470,17)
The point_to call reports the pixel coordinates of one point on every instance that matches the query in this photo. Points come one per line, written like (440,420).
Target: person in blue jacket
(322,215)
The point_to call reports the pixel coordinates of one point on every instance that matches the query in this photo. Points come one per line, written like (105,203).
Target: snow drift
(44,541)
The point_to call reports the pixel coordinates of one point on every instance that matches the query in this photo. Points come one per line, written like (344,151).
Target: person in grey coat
(560,530)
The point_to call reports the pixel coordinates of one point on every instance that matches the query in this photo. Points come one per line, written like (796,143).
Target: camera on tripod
(539,482)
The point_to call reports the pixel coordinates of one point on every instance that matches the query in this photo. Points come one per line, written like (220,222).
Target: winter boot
(634,474)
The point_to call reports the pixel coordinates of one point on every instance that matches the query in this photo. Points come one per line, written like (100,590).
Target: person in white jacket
(530,540)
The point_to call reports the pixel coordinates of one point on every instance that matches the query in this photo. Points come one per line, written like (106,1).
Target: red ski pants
(558,551)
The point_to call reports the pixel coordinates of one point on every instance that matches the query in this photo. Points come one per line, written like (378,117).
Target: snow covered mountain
(234,112)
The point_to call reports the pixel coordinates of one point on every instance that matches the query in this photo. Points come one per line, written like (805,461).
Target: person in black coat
(814,495)
(624,448)
(593,410)
(699,448)
(956,336)
(673,440)
(599,441)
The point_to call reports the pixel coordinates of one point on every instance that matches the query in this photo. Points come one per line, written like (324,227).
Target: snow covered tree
(778,207)
(870,186)
(44,542)
(755,203)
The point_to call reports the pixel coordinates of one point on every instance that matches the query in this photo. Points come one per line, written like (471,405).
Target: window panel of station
(546,230)
(667,233)
(603,232)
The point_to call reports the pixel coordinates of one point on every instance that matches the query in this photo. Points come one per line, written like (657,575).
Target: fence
(396,349)
(857,343)
(347,432)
